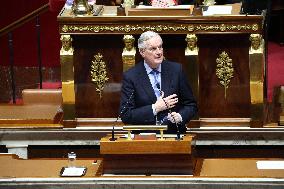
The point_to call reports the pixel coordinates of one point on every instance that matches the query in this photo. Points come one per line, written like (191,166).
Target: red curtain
(56,5)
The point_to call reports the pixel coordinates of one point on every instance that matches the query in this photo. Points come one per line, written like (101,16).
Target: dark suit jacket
(138,95)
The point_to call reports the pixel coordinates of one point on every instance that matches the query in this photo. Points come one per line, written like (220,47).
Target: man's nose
(159,51)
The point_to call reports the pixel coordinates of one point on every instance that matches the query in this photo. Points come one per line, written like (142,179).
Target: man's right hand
(161,105)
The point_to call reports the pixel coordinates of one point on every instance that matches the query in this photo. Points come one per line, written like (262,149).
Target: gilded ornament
(127,28)
(66,48)
(208,2)
(158,28)
(128,3)
(255,41)
(254,27)
(129,52)
(99,73)
(65,28)
(224,70)
(223,27)
(191,47)
(190,27)
(81,7)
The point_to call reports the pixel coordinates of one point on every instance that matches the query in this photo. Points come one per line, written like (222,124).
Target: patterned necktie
(157,86)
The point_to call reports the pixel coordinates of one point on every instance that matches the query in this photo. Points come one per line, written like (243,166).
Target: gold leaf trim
(158,28)
(99,73)
(224,70)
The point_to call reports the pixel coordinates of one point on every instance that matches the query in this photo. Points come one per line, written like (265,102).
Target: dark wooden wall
(212,101)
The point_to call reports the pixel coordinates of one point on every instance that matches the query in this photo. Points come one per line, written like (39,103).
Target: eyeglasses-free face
(154,49)
(153,53)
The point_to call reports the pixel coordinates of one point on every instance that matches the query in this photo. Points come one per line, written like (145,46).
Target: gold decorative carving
(224,70)
(256,43)
(191,48)
(66,48)
(209,2)
(255,40)
(159,28)
(81,7)
(129,52)
(129,44)
(65,28)
(257,77)
(128,3)
(190,28)
(99,73)
(255,27)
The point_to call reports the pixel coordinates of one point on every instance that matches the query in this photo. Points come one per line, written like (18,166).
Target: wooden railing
(24,20)
(9,30)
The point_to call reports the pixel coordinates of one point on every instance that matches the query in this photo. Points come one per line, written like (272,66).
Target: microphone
(120,113)
(178,132)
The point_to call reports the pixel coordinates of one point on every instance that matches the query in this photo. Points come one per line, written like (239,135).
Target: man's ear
(142,52)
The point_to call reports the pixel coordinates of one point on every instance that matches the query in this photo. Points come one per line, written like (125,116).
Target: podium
(148,157)
(222,48)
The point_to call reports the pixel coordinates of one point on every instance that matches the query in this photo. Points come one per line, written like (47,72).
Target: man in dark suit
(156,90)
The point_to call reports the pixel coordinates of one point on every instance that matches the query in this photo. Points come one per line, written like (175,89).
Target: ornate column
(257,78)
(192,68)
(67,78)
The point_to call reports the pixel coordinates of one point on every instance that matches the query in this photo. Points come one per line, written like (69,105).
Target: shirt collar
(149,69)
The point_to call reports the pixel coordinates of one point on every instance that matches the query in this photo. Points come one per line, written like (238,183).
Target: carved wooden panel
(88,101)
(212,101)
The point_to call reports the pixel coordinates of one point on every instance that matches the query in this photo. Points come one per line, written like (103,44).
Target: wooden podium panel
(147,157)
(237,101)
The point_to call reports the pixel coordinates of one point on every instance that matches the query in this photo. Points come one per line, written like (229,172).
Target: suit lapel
(166,78)
(145,83)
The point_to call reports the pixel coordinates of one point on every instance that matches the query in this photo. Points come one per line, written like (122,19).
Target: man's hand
(165,103)
(174,117)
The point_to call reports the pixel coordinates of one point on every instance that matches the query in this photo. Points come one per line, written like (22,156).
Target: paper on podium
(218,10)
(270,164)
(73,171)
(179,10)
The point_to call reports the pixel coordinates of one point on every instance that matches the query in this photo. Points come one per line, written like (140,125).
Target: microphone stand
(178,132)
(112,131)
(120,113)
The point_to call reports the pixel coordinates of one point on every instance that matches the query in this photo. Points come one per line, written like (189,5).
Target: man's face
(153,53)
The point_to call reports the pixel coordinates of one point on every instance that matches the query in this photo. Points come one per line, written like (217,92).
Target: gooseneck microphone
(178,132)
(120,113)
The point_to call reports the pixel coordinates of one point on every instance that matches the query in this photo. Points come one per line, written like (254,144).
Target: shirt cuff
(154,110)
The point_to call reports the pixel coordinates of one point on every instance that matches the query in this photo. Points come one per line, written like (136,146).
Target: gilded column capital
(66,48)
(256,43)
(191,48)
(129,52)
